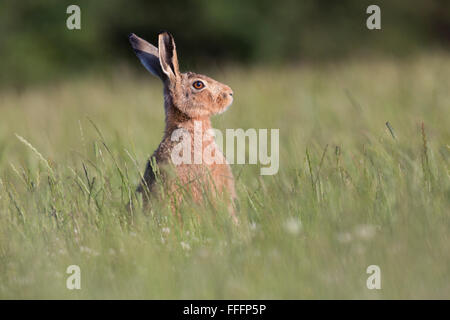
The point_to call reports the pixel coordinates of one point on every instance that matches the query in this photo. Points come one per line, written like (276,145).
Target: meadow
(351,191)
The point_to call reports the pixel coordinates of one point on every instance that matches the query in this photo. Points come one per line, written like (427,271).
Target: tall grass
(364,179)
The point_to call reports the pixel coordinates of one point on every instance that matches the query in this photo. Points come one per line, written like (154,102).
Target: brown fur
(183,106)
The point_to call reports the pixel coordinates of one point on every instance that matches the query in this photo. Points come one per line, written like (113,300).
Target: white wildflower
(293,226)
(365,231)
(185,246)
(89,251)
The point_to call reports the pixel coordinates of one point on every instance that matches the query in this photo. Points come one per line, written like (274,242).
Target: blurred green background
(36,46)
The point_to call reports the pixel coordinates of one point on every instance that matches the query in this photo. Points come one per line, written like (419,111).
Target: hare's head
(195,95)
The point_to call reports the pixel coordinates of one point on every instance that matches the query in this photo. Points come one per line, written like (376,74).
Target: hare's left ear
(148,54)
(168,56)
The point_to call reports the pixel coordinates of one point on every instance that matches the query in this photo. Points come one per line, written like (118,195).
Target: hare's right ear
(148,54)
(168,56)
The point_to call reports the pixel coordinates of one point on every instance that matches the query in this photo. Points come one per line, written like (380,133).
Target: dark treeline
(35,44)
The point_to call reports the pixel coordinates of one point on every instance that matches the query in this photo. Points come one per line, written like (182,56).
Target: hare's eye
(198,85)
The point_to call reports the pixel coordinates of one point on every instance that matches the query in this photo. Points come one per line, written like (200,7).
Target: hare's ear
(148,54)
(168,56)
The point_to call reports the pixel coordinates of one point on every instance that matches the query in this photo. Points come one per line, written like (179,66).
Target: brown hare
(189,101)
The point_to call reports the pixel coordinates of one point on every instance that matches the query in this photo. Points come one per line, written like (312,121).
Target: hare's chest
(193,163)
